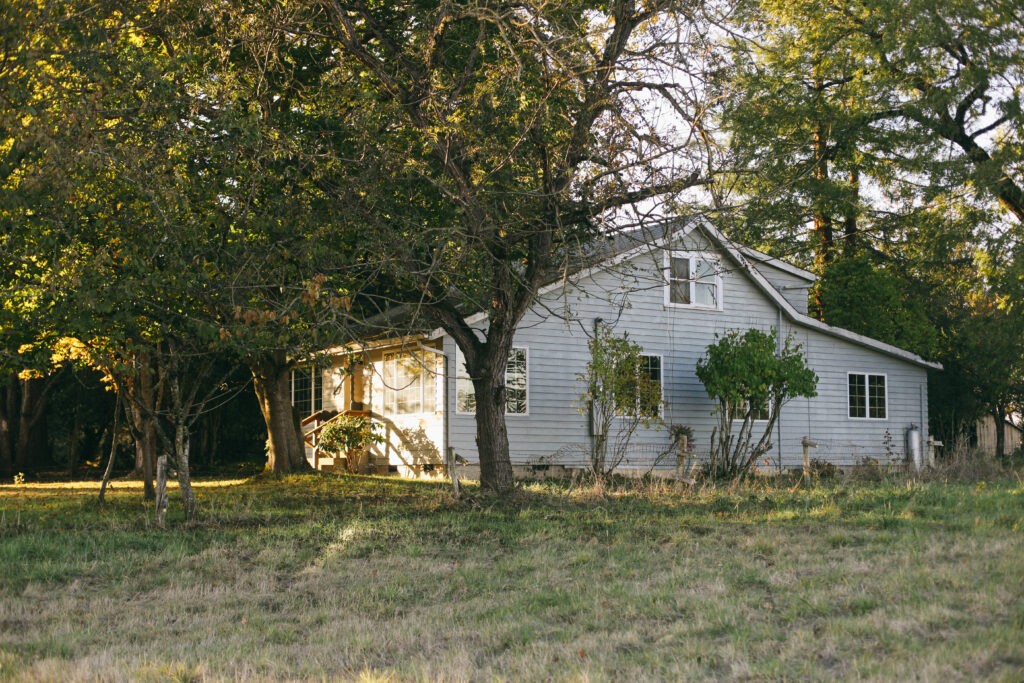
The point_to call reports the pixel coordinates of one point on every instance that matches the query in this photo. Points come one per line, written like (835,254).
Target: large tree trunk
(852,215)
(8,428)
(822,217)
(181,456)
(488,375)
(145,450)
(823,237)
(143,408)
(1000,420)
(271,374)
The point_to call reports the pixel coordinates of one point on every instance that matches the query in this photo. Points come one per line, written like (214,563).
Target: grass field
(326,577)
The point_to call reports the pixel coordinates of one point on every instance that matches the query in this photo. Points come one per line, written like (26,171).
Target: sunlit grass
(312,577)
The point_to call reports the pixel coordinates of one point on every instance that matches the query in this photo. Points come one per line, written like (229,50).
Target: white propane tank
(914,447)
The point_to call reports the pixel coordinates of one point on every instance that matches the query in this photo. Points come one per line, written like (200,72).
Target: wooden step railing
(396,441)
(311,437)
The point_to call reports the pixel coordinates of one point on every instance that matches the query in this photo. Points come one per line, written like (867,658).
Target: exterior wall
(410,440)
(987,436)
(631,298)
(792,287)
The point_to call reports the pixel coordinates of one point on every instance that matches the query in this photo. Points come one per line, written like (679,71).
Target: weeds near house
(339,576)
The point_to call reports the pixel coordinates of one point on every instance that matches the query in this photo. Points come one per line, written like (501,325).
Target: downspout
(779,344)
(778,419)
(594,427)
(925,427)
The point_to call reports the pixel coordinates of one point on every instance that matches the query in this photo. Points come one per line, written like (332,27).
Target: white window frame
(460,361)
(428,383)
(867,395)
(661,383)
(692,256)
(760,419)
(316,380)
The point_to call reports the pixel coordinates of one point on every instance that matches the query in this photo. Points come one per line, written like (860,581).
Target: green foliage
(905,96)
(741,367)
(348,432)
(742,371)
(620,394)
(858,297)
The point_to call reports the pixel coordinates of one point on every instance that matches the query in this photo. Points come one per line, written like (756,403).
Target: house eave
(736,252)
(799,318)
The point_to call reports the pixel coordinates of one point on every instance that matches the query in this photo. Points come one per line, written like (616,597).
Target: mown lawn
(315,577)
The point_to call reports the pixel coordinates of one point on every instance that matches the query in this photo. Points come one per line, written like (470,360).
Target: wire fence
(839,453)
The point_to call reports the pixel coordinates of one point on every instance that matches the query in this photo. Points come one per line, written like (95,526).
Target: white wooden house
(672,293)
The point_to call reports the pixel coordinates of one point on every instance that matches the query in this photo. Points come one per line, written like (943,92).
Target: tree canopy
(187,185)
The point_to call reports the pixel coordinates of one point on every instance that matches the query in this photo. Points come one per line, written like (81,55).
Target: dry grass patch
(316,577)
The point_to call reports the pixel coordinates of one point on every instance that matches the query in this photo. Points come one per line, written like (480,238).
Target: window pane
(679,292)
(650,367)
(705,295)
(388,380)
(739,411)
(679,281)
(858,396)
(318,390)
(515,382)
(704,271)
(876,396)
(302,391)
(680,268)
(428,380)
(408,385)
(465,398)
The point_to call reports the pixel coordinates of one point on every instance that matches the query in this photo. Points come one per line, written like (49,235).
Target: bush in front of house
(349,432)
(750,376)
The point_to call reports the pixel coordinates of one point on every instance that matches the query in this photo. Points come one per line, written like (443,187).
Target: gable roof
(620,247)
(777,263)
(797,317)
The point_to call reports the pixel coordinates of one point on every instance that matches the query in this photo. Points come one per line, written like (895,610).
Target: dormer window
(693,280)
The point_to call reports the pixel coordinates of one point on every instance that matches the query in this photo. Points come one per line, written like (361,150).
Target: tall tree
(842,107)
(171,178)
(495,140)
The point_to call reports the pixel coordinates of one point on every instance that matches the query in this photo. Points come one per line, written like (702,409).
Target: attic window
(692,280)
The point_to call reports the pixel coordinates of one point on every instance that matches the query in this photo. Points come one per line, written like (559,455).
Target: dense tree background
(196,196)
(879,143)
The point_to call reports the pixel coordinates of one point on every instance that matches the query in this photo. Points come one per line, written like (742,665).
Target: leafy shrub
(822,469)
(749,375)
(349,432)
(620,396)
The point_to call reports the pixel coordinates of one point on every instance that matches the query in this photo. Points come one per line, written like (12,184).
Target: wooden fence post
(807,443)
(450,464)
(161,489)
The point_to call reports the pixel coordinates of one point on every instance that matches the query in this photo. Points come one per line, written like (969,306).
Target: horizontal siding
(794,289)
(556,432)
